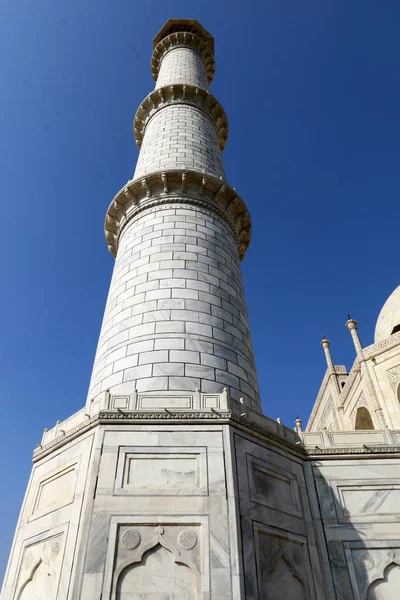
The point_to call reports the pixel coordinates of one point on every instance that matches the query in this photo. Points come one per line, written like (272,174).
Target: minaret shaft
(176,317)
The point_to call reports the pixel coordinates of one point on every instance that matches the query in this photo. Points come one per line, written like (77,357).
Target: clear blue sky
(312,94)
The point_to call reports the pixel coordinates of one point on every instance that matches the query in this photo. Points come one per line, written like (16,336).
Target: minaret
(176,317)
(136,493)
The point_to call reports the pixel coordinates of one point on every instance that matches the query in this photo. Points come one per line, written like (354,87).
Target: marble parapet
(184,187)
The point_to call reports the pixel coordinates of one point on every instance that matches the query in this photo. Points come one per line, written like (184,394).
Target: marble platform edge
(181,407)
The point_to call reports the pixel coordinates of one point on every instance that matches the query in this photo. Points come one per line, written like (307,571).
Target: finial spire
(351,325)
(299,424)
(325,345)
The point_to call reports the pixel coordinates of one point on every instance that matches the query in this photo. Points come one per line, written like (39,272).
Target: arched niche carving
(157,573)
(387,587)
(39,584)
(363,419)
(280,578)
(148,551)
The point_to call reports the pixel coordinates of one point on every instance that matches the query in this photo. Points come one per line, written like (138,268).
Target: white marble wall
(50,533)
(176,317)
(359,501)
(280,549)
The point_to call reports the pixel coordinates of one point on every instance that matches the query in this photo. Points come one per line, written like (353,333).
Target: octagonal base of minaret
(138,501)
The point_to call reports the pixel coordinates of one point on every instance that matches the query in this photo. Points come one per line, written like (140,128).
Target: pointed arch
(137,558)
(386,587)
(158,571)
(363,419)
(31,575)
(32,578)
(281,576)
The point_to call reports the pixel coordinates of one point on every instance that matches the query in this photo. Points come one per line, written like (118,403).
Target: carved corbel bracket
(184,187)
(181,94)
(184,39)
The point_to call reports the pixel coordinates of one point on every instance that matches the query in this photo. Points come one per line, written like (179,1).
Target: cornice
(390,342)
(180,93)
(370,450)
(115,416)
(221,416)
(180,187)
(183,39)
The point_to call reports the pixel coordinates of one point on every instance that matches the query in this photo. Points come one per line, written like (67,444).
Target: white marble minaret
(176,317)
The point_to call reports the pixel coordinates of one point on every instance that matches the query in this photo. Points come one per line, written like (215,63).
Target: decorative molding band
(62,439)
(370,450)
(183,39)
(180,187)
(170,415)
(220,416)
(381,346)
(113,416)
(180,93)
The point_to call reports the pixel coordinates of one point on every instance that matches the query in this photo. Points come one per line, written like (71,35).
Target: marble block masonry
(170,483)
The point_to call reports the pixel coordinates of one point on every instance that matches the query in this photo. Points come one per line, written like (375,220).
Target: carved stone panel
(149,560)
(282,565)
(39,570)
(157,573)
(374,568)
(386,588)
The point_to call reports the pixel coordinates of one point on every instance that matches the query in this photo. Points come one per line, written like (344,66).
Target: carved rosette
(366,562)
(187,539)
(183,187)
(130,539)
(55,549)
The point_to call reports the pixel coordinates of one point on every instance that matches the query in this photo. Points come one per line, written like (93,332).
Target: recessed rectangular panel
(349,438)
(55,491)
(273,487)
(369,500)
(161,471)
(211,401)
(120,402)
(156,402)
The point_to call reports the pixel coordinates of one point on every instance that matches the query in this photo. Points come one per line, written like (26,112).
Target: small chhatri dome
(389,318)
